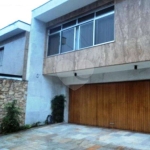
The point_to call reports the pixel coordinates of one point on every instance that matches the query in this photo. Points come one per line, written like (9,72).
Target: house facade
(97,54)
(14,40)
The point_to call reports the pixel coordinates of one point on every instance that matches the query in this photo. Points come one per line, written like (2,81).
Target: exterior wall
(13,90)
(132,42)
(13,57)
(41,89)
(27,36)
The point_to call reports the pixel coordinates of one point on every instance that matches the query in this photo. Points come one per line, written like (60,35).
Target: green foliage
(25,127)
(57,106)
(10,123)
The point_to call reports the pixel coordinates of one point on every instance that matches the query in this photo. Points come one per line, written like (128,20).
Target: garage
(124,105)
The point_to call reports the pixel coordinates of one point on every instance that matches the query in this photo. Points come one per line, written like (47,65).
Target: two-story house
(97,53)
(14,40)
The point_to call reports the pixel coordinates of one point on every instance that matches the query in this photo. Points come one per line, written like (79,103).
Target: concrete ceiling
(116,68)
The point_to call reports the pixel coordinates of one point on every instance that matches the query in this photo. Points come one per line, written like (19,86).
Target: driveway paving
(74,137)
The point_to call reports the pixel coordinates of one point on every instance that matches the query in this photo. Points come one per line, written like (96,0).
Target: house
(14,40)
(13,50)
(97,54)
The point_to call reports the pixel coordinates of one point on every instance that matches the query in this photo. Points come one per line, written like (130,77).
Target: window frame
(74,28)
(1,61)
(80,32)
(77,30)
(99,17)
(48,43)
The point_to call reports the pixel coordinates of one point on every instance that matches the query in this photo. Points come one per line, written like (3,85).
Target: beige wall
(132,42)
(13,90)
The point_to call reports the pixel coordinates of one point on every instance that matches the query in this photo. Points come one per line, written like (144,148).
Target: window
(104,29)
(85,18)
(68,24)
(55,29)
(53,44)
(1,55)
(86,35)
(86,31)
(67,40)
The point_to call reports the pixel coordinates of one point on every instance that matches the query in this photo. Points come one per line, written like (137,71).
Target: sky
(13,10)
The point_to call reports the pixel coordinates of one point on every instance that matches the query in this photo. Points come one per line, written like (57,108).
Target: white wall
(13,57)
(41,89)
(131,75)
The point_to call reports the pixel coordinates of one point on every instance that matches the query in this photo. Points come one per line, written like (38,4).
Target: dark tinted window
(104,29)
(68,24)
(85,18)
(86,35)
(1,48)
(67,40)
(104,11)
(55,29)
(53,44)
(1,55)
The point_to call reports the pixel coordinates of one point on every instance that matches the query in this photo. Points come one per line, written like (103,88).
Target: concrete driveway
(74,137)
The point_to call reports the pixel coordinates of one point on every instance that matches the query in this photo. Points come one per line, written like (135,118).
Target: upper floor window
(1,55)
(86,31)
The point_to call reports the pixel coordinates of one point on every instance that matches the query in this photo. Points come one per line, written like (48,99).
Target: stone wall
(10,90)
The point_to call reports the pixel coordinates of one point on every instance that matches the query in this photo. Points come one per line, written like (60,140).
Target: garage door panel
(81,98)
(130,103)
(136,93)
(120,107)
(82,105)
(140,105)
(146,109)
(84,114)
(137,101)
(123,105)
(74,106)
(100,107)
(93,105)
(107,110)
(88,113)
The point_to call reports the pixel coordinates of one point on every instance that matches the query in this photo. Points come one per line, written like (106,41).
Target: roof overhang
(107,69)
(13,29)
(57,8)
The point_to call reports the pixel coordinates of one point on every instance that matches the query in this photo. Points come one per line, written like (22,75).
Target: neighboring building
(14,49)
(14,40)
(97,54)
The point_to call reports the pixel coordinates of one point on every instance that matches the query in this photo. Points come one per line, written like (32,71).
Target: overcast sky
(12,10)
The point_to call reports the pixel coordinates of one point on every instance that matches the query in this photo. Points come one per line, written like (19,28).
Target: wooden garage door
(113,105)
